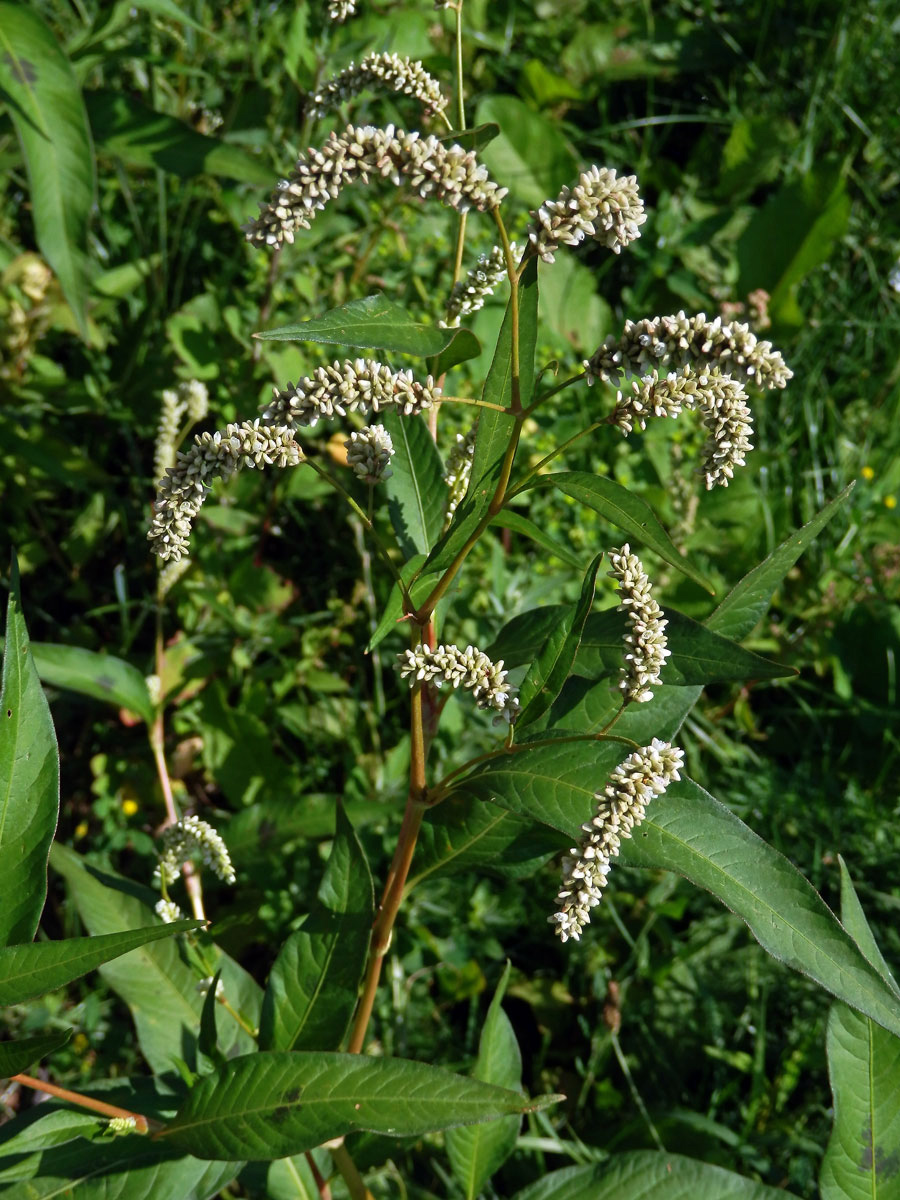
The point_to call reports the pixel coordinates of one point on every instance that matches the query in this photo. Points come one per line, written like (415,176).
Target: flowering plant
(577,757)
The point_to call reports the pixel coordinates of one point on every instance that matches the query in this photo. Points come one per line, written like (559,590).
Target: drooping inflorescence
(623,802)
(470,667)
(190,836)
(449,173)
(720,399)
(459,469)
(388,71)
(468,295)
(191,400)
(599,205)
(678,341)
(213,456)
(362,386)
(369,453)
(648,651)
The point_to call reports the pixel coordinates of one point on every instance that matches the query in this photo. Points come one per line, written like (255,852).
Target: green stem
(350,1173)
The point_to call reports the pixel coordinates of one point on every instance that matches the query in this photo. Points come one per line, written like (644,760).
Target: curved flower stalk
(362,386)
(389,71)
(623,802)
(599,204)
(449,173)
(644,661)
(212,456)
(468,295)
(470,667)
(721,399)
(679,341)
(459,469)
(190,399)
(369,453)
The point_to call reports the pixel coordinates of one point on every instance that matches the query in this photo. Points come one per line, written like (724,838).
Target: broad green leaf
(864,1070)
(47,110)
(153,980)
(292,1179)
(548,672)
(510,518)
(314,983)
(102,676)
(40,967)
(50,1129)
(142,138)
(273,1104)
(29,781)
(689,832)
(416,492)
(698,656)
(854,921)
(626,511)
(530,156)
(746,603)
(471,139)
(494,428)
(586,706)
(374,323)
(464,347)
(649,1173)
(477,1151)
(20,1055)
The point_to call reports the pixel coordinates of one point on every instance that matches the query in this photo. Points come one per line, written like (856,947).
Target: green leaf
(464,347)
(374,323)
(393,610)
(314,984)
(40,967)
(510,518)
(494,428)
(854,921)
(417,494)
(530,156)
(477,1151)
(153,980)
(746,603)
(142,138)
(50,1128)
(272,1104)
(689,832)
(29,781)
(626,511)
(20,1055)
(471,139)
(553,662)
(47,110)
(645,1173)
(102,676)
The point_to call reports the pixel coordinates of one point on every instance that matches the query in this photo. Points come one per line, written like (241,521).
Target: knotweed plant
(572,712)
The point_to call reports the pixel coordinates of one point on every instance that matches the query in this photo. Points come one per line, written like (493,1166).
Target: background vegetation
(763,138)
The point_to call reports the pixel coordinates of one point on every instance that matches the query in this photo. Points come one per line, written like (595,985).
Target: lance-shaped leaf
(689,832)
(512,519)
(40,967)
(375,323)
(102,676)
(477,1151)
(45,104)
(864,1070)
(553,661)
(626,511)
(746,603)
(494,428)
(649,1173)
(314,983)
(272,1104)
(19,1056)
(416,492)
(29,781)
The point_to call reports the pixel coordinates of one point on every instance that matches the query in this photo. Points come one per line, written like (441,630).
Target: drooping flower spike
(470,667)
(369,453)
(363,386)
(468,295)
(645,638)
(600,205)
(386,71)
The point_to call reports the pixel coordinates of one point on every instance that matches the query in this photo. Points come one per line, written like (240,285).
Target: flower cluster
(601,205)
(622,805)
(450,173)
(168,911)
(194,836)
(362,386)
(212,456)
(648,653)
(380,70)
(191,400)
(459,469)
(468,295)
(470,667)
(340,10)
(369,453)
(721,400)
(679,341)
